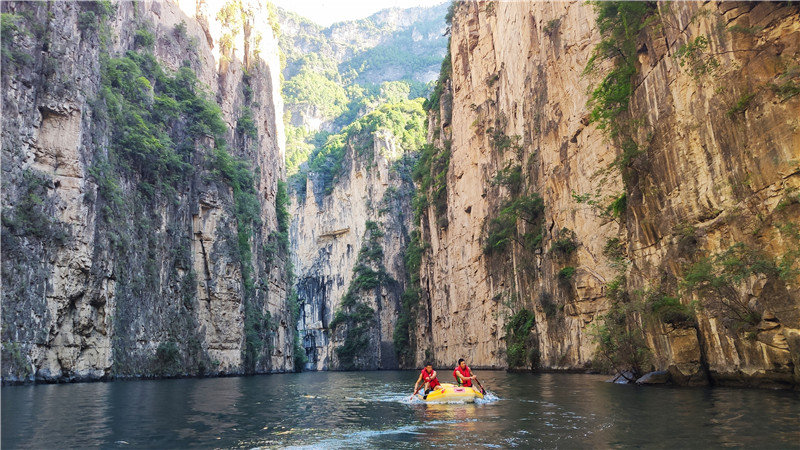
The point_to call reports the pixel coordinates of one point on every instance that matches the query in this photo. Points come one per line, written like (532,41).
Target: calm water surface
(371,410)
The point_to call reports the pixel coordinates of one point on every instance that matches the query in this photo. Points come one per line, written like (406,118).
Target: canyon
(609,187)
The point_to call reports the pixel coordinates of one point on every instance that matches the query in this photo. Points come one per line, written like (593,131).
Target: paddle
(421,386)
(483,391)
(415,392)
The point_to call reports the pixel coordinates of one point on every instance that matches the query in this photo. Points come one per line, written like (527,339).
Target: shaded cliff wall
(349,237)
(691,233)
(137,220)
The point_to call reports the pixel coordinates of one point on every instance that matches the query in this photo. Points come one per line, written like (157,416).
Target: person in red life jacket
(463,374)
(429,380)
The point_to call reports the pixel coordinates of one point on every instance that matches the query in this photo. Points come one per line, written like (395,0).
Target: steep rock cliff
(136,212)
(685,241)
(349,234)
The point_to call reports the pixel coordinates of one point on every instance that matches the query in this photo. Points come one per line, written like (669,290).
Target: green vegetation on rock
(522,348)
(32,217)
(324,83)
(566,243)
(163,129)
(354,314)
(405,121)
(620,342)
(717,279)
(504,229)
(430,174)
(314,89)
(405,342)
(619,23)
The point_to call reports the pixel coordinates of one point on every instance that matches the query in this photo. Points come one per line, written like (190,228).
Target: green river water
(372,410)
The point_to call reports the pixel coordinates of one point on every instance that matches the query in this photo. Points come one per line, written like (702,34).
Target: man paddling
(429,381)
(464,376)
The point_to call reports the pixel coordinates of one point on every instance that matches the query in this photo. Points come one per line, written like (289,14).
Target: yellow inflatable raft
(452,393)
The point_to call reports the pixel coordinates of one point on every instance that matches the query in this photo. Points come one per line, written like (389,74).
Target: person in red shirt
(428,379)
(463,374)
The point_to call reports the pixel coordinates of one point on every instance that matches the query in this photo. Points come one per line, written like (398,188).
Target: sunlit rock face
(107,272)
(330,230)
(713,185)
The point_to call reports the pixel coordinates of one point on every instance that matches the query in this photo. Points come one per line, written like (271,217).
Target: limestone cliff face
(706,212)
(115,268)
(349,243)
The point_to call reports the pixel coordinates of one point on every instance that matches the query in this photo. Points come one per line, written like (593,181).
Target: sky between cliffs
(327,12)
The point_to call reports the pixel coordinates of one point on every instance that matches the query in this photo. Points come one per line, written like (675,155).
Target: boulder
(624,377)
(657,377)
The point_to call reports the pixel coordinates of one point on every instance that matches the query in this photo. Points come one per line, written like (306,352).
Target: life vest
(426,376)
(464,373)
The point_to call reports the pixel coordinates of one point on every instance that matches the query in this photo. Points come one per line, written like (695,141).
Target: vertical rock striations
(142,151)
(349,235)
(655,228)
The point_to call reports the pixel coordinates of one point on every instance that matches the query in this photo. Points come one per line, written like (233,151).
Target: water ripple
(373,410)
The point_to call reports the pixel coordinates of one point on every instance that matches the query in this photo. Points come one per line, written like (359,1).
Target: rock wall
(111,271)
(713,185)
(330,234)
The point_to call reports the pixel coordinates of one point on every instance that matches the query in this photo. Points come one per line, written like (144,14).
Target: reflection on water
(373,410)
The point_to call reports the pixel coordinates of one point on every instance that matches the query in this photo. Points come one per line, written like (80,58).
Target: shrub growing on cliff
(143,39)
(511,178)
(358,318)
(615,251)
(521,346)
(31,217)
(14,26)
(257,335)
(741,105)
(717,280)
(565,275)
(300,357)
(434,100)
(500,141)
(619,23)
(87,22)
(503,229)
(430,174)
(566,242)
(245,126)
(15,362)
(618,206)
(155,118)
(692,57)
(247,210)
(168,359)
(403,339)
(552,26)
(621,345)
(282,203)
(787,85)
(404,121)
(670,310)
